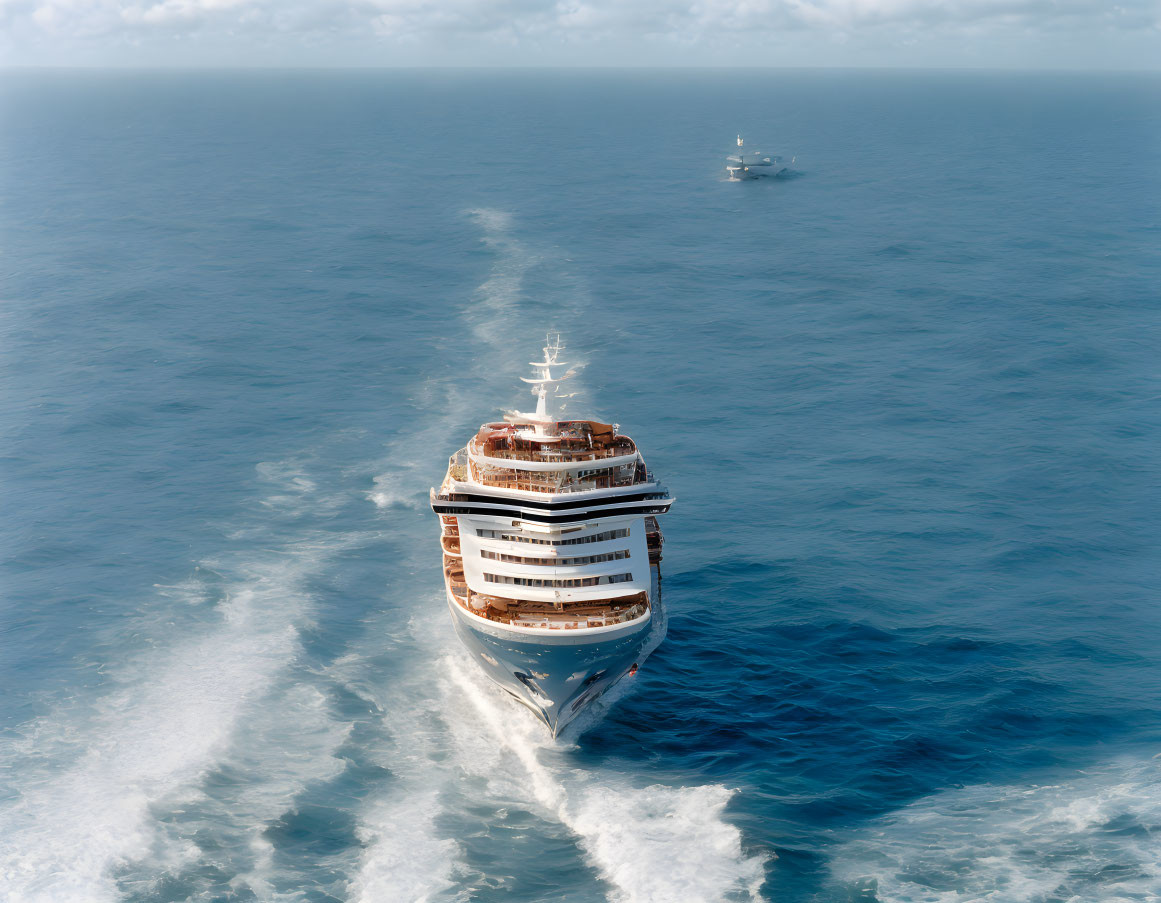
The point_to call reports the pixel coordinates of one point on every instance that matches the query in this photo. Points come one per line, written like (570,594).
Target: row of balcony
(570,617)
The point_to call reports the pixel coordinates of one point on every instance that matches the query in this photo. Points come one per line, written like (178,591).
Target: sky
(1006,34)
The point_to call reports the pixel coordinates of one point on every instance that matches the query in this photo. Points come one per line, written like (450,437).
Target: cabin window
(519,537)
(575,561)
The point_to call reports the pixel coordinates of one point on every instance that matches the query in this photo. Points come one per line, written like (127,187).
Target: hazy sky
(1073,34)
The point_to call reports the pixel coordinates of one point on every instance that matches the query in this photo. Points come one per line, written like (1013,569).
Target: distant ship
(752,164)
(552,553)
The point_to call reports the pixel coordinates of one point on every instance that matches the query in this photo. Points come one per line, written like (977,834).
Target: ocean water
(907,397)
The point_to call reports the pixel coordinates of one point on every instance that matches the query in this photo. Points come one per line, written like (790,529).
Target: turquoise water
(907,398)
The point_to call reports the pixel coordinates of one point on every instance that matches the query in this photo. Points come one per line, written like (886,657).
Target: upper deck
(563,456)
(538,453)
(560,442)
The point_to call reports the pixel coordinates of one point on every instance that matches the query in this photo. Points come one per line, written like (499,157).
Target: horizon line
(520,67)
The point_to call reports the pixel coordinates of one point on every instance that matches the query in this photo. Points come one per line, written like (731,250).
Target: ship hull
(755,171)
(559,674)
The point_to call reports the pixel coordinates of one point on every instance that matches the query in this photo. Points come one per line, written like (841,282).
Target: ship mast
(542,420)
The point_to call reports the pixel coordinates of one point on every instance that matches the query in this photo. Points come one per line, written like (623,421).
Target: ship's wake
(455,742)
(650,843)
(1091,837)
(495,301)
(207,694)
(243,714)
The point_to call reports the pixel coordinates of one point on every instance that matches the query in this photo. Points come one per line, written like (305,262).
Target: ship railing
(529,482)
(555,455)
(453,569)
(564,620)
(552,486)
(457,466)
(606,620)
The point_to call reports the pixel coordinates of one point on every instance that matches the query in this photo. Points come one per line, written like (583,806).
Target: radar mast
(542,419)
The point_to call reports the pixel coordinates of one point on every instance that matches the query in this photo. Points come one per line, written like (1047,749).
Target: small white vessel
(752,164)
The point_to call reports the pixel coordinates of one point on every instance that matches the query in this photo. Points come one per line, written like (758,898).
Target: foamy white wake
(1094,837)
(455,733)
(495,300)
(405,859)
(283,746)
(397,489)
(654,844)
(90,785)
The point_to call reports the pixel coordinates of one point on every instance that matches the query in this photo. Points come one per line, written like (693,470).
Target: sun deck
(559,442)
(573,456)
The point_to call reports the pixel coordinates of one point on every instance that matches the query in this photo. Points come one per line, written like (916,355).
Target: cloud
(36,26)
(174,11)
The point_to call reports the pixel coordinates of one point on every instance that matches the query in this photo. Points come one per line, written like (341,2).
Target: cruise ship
(552,552)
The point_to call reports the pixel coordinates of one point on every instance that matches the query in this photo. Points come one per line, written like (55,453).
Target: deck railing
(621,617)
(581,616)
(551,485)
(555,455)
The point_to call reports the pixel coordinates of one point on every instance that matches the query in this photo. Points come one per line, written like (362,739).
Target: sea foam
(171,716)
(654,844)
(1093,836)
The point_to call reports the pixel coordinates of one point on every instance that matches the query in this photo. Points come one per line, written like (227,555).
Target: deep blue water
(907,397)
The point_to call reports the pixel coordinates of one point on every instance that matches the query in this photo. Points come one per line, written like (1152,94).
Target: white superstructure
(550,541)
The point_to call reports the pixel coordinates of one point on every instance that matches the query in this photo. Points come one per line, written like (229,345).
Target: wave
(170,722)
(496,299)
(1092,837)
(395,489)
(404,858)
(493,319)
(456,741)
(285,745)
(94,782)
(403,855)
(654,844)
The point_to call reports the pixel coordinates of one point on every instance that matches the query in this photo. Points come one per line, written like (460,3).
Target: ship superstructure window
(619,555)
(517,537)
(549,583)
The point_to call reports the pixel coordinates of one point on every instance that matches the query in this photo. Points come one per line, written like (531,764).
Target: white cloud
(33,29)
(171,11)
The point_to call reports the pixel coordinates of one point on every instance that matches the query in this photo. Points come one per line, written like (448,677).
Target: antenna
(541,383)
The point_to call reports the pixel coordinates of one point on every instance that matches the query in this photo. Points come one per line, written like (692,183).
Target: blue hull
(559,675)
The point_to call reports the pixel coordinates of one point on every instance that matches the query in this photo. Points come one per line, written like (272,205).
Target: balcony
(545,616)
